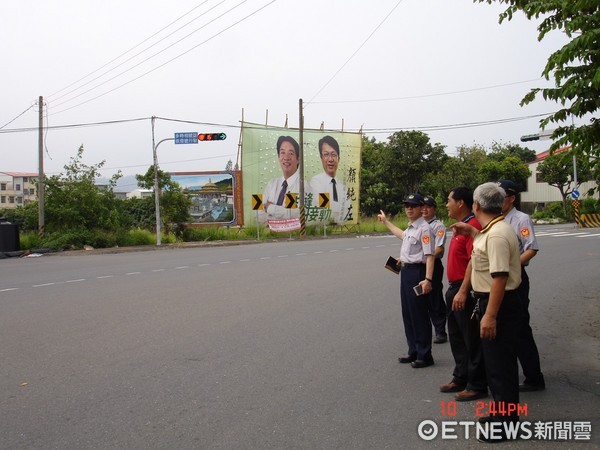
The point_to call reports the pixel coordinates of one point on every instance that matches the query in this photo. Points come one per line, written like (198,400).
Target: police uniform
(437,306)
(528,354)
(496,250)
(417,243)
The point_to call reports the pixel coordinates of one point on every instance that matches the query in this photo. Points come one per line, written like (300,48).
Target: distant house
(140,193)
(539,193)
(17,189)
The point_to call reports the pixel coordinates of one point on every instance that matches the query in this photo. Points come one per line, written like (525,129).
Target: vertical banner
(270,162)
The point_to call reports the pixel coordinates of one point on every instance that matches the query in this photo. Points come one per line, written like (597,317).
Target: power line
(167,62)
(11,121)
(132,48)
(357,50)
(139,53)
(411,97)
(76,125)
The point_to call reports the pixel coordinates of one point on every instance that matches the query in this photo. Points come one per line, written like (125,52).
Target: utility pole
(41,179)
(301,202)
(156,192)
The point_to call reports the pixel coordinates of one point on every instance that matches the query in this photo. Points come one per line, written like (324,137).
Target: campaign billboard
(270,160)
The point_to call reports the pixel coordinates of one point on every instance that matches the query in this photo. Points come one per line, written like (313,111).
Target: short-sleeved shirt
(495,250)
(523,226)
(417,242)
(439,232)
(459,252)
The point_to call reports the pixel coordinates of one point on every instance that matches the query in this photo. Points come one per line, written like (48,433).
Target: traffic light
(530,137)
(212,136)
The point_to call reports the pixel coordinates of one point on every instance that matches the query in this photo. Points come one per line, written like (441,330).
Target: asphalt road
(272,345)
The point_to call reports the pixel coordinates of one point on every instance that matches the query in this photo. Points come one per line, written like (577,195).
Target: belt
(487,294)
(407,265)
(454,284)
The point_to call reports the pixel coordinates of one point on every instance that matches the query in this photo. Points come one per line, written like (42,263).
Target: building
(17,189)
(540,193)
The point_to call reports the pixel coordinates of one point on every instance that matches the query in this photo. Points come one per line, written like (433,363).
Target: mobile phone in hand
(418,289)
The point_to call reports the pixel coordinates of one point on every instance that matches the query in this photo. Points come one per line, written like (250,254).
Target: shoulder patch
(525,232)
(440,233)
(425,239)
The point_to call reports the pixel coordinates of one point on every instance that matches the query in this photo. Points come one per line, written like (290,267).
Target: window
(20,200)
(18,187)
(32,191)
(2,186)
(25,179)
(11,199)
(2,198)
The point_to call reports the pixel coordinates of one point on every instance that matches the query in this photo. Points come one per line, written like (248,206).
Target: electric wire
(357,50)
(170,60)
(131,49)
(139,53)
(439,94)
(11,121)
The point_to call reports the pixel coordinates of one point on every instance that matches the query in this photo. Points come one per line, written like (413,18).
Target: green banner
(270,162)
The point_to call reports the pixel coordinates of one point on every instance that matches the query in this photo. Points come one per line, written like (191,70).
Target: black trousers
(465,343)
(500,354)
(415,312)
(437,306)
(528,354)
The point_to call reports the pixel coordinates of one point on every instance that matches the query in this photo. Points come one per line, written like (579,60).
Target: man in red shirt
(468,378)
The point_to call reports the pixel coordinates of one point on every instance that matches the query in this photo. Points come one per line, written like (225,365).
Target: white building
(17,189)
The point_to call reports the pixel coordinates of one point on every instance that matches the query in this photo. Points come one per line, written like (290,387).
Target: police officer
(437,306)
(528,246)
(416,271)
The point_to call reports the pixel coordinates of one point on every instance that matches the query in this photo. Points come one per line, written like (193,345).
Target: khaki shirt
(495,249)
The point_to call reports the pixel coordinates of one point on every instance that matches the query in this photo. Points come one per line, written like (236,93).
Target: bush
(590,205)
(552,210)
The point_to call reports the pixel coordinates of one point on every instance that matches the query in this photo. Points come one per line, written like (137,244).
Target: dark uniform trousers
(437,306)
(415,312)
(465,343)
(528,354)
(500,354)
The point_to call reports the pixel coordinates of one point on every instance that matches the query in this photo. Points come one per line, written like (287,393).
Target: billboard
(269,161)
(215,196)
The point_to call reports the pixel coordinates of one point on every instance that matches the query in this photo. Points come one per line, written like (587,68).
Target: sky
(105,68)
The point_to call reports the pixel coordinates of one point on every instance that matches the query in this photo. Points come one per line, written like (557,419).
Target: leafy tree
(373,192)
(459,170)
(174,204)
(74,201)
(510,168)
(501,151)
(575,69)
(557,168)
(404,163)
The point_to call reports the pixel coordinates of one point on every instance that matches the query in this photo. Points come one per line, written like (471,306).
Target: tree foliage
(74,201)
(557,168)
(574,68)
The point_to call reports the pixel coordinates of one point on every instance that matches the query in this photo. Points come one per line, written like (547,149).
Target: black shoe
(420,363)
(406,359)
(440,339)
(527,387)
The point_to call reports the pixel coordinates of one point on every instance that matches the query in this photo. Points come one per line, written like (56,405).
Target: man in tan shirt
(495,275)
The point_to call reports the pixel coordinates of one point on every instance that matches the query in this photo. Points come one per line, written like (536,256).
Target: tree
(575,69)
(174,204)
(510,168)
(557,168)
(405,161)
(373,192)
(501,151)
(74,201)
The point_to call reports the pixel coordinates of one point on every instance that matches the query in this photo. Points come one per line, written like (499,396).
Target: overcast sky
(382,65)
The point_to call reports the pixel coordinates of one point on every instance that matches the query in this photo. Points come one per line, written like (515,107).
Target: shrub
(552,210)
(590,205)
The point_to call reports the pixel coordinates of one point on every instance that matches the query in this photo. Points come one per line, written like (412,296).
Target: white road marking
(104,276)
(42,285)
(133,273)
(9,289)
(75,281)
(182,267)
